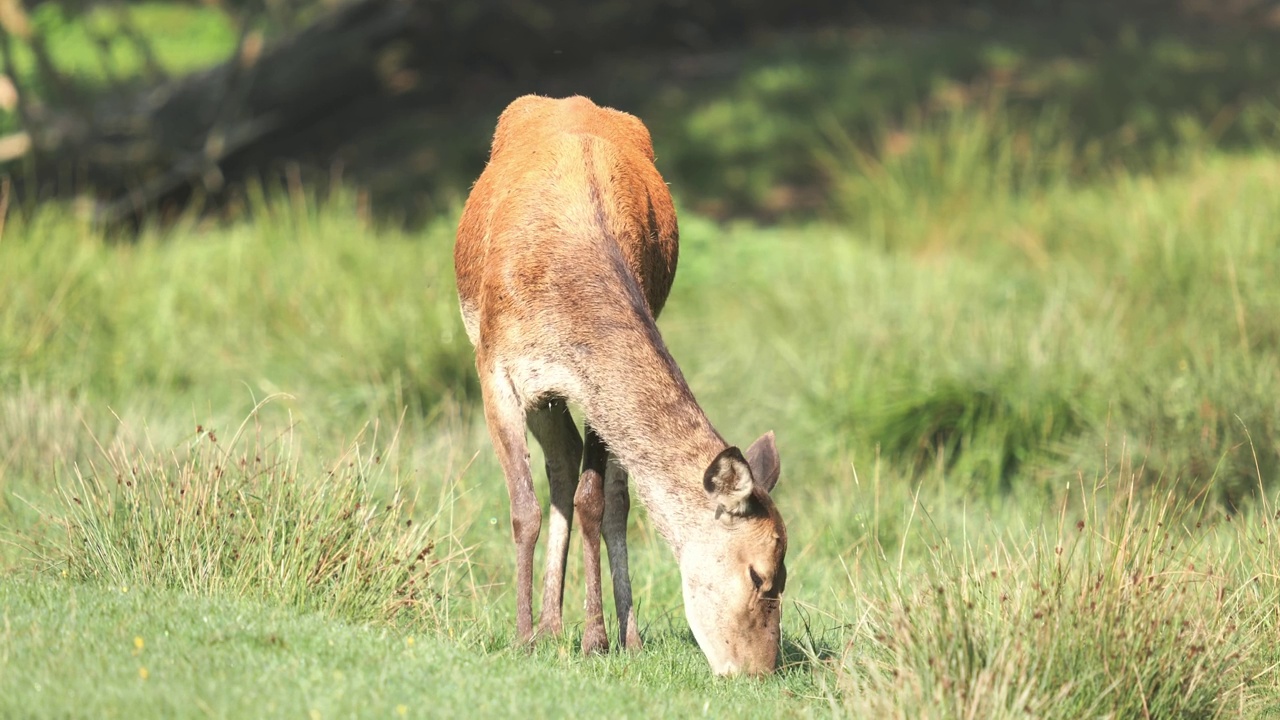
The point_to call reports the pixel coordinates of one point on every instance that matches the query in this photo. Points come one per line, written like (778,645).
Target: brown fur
(566,252)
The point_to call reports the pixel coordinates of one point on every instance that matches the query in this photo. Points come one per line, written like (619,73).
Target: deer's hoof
(594,640)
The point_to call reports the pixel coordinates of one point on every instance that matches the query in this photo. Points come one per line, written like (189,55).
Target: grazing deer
(565,254)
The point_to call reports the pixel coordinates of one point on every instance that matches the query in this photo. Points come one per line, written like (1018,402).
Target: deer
(566,251)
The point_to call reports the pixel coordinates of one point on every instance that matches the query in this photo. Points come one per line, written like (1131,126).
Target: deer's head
(732,571)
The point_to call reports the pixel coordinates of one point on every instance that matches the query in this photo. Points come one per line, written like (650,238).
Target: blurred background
(148,106)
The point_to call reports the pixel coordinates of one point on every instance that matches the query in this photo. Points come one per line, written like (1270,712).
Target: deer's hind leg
(504,414)
(553,427)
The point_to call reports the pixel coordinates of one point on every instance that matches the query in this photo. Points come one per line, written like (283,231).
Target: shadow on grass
(810,650)
(668,641)
(746,130)
(742,130)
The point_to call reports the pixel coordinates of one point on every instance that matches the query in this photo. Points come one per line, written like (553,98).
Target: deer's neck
(641,406)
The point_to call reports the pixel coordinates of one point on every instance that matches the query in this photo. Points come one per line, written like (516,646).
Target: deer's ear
(728,481)
(762,456)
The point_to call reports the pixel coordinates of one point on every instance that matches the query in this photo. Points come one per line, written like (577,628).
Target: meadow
(1028,413)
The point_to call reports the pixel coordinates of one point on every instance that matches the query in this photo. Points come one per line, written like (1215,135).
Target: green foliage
(943,179)
(182,38)
(91,48)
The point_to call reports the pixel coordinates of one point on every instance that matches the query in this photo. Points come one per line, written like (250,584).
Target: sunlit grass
(71,650)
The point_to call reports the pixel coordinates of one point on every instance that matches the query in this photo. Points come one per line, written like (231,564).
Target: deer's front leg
(506,420)
(589,501)
(617,505)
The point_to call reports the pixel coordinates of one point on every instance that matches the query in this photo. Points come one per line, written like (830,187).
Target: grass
(236,518)
(1128,604)
(1028,419)
(74,650)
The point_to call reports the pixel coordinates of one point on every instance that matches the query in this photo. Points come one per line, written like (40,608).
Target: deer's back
(569,225)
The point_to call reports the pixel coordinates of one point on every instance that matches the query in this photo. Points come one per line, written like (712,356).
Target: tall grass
(242,516)
(1132,602)
(305,302)
(919,183)
(1046,310)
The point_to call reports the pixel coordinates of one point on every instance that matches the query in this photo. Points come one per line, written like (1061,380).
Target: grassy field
(1029,421)
(1024,467)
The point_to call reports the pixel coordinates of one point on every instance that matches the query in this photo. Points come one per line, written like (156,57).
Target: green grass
(74,650)
(1128,604)
(1027,416)
(237,518)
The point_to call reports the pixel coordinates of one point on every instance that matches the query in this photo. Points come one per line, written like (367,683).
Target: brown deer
(565,254)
